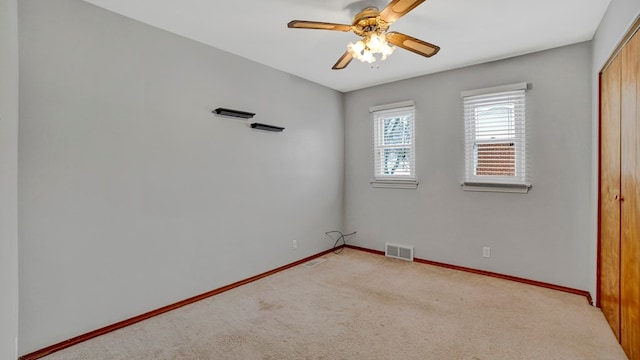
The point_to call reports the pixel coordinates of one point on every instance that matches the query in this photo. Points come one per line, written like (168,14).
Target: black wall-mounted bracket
(233,113)
(266,127)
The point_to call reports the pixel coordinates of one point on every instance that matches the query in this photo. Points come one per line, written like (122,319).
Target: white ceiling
(468,32)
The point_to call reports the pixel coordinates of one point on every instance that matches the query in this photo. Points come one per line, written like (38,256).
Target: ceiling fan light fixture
(386,50)
(374,43)
(356,48)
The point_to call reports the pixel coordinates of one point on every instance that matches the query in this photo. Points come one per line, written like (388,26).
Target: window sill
(493,187)
(395,184)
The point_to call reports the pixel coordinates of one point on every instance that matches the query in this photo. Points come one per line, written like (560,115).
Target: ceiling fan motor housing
(369,20)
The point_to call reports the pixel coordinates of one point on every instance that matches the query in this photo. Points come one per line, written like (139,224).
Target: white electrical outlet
(294,244)
(486,252)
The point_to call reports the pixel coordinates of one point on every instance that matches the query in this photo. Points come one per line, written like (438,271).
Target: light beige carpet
(357,305)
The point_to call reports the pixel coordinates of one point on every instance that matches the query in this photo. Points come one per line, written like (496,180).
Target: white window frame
(380,113)
(515,133)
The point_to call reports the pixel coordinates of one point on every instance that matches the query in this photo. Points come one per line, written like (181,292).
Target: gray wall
(543,235)
(616,22)
(132,194)
(8,178)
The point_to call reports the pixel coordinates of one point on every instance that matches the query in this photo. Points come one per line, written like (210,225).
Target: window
(495,139)
(394,145)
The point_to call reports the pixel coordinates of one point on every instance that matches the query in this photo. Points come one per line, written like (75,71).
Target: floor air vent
(315,262)
(398,251)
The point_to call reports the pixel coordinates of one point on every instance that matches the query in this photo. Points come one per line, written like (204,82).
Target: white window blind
(495,136)
(394,142)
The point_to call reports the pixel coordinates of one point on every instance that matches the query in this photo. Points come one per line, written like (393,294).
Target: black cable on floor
(342,237)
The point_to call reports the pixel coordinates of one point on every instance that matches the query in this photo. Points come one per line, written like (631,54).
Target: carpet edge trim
(584,293)
(130,321)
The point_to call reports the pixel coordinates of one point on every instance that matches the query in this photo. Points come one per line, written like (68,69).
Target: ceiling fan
(372,25)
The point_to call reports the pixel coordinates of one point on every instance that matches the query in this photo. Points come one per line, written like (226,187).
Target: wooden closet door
(630,210)
(609,251)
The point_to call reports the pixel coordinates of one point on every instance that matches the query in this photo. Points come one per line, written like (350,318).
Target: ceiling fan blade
(397,9)
(303,24)
(344,60)
(412,44)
